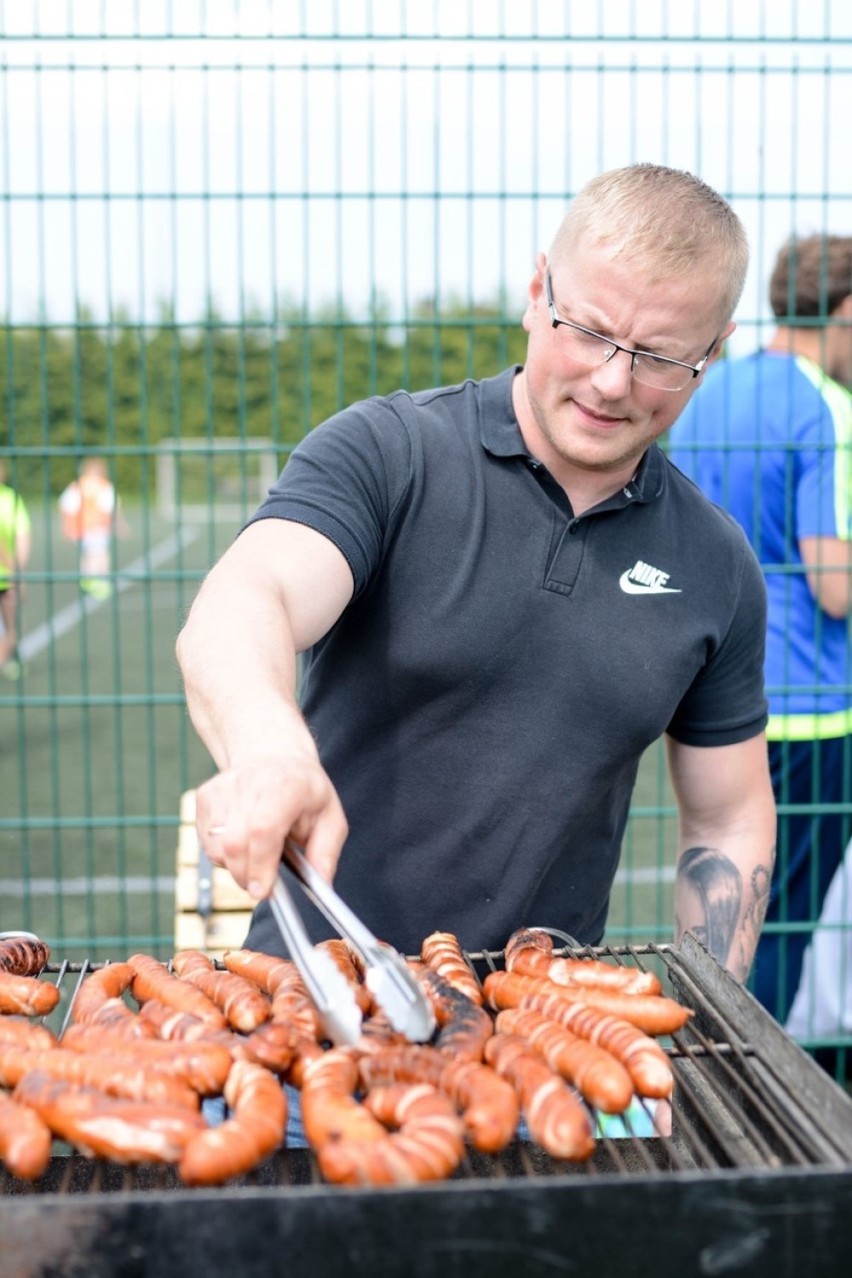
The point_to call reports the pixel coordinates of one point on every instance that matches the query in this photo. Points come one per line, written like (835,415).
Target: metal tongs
(386,974)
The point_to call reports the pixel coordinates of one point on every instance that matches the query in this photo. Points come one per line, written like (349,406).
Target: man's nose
(613,377)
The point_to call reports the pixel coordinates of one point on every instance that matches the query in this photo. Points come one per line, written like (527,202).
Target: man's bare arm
(275,592)
(828,563)
(727,847)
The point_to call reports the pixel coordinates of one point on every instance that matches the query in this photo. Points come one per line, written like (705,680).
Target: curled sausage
(25,1140)
(23,956)
(243,1004)
(530,952)
(598,1076)
(488,1104)
(556,1118)
(26,995)
(442,952)
(330,1112)
(102,1126)
(151,979)
(428,1145)
(254,1131)
(280,978)
(100,989)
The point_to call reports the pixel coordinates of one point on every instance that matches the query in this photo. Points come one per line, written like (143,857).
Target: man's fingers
(244,815)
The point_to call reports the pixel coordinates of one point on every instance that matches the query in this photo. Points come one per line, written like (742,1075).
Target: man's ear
(535,291)
(720,344)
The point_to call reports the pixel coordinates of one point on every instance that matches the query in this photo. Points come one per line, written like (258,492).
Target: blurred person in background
(502,593)
(15,549)
(769,437)
(91,516)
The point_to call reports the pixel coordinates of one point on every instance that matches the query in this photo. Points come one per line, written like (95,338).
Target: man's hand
(257,806)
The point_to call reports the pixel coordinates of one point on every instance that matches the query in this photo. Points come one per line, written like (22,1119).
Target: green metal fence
(221,222)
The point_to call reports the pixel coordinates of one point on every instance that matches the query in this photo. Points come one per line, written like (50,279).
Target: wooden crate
(212,912)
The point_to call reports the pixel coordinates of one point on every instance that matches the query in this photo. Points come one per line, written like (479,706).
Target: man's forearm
(239,677)
(724,903)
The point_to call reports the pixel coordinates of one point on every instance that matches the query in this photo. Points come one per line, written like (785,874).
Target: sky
(253,154)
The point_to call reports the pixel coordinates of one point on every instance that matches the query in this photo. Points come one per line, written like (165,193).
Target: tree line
(120,390)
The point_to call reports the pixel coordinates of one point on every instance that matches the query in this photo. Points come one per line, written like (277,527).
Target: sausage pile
(550,1040)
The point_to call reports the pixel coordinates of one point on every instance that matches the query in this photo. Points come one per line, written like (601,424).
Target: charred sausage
(442,952)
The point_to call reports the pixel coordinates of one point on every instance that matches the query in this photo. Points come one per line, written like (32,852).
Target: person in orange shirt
(91,515)
(15,546)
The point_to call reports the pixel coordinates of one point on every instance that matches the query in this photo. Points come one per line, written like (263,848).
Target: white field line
(139,885)
(70,616)
(100,885)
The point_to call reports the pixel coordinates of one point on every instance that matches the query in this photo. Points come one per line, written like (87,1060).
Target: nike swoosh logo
(636,588)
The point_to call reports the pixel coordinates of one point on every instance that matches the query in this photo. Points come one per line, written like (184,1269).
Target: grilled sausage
(203,1065)
(428,1145)
(530,952)
(265,970)
(556,1118)
(105,986)
(117,1018)
(22,956)
(488,1104)
(165,1023)
(25,1139)
(101,1126)
(345,962)
(330,1112)
(642,1057)
(464,1027)
(26,995)
(652,1014)
(19,1029)
(151,979)
(280,978)
(442,952)
(239,1144)
(112,1074)
(243,1004)
(598,1076)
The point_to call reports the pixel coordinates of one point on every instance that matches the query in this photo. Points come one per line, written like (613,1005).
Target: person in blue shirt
(769,438)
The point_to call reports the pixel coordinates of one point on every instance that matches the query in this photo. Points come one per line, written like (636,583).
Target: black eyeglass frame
(695,370)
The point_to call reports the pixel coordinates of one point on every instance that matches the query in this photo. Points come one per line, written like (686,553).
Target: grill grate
(733,1105)
(755,1179)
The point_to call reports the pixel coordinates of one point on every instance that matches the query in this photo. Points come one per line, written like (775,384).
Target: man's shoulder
(416,411)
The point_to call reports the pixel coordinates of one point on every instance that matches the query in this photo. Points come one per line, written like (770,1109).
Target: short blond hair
(669,219)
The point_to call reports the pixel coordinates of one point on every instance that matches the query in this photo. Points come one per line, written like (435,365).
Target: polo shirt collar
(500,435)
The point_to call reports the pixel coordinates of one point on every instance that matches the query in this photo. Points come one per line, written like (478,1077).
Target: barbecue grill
(755,1178)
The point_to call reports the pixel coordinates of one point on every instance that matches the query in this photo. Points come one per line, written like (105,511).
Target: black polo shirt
(483,702)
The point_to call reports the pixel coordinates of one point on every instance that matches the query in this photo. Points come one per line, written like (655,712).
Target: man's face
(600,418)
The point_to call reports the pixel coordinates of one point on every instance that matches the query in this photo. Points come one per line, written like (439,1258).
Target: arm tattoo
(710,900)
(710,889)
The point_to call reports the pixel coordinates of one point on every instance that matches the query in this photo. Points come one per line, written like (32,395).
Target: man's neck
(809,342)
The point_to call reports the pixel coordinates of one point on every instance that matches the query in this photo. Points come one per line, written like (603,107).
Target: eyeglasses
(591,348)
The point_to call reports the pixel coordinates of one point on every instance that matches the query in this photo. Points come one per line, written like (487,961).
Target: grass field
(96,750)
